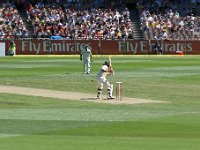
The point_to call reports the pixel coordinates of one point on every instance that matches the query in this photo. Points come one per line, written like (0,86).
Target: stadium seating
(80,21)
(102,19)
(169,19)
(11,24)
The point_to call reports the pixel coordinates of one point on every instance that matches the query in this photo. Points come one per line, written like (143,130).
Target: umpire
(86,57)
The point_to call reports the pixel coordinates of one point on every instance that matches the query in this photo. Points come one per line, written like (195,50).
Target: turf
(28,122)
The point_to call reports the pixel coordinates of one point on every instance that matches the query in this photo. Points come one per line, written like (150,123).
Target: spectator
(162,19)
(90,23)
(10,21)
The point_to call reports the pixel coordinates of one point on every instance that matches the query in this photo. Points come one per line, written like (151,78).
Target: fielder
(12,49)
(106,70)
(86,57)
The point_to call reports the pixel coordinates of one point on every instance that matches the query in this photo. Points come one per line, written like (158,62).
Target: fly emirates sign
(146,46)
(101,47)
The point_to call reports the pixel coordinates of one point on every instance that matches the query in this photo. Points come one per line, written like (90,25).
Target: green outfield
(41,123)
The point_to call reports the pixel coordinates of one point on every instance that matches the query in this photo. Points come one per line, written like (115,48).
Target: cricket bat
(111,68)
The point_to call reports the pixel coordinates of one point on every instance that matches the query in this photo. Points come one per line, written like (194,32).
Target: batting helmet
(107,63)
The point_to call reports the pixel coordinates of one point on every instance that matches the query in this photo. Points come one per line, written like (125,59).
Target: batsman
(106,70)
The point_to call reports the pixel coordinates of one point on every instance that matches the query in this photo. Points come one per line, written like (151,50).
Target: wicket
(118,91)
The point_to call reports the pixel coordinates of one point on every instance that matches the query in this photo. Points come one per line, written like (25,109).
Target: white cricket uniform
(101,77)
(86,56)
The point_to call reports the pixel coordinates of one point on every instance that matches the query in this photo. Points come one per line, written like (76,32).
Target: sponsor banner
(2,49)
(111,47)
(57,47)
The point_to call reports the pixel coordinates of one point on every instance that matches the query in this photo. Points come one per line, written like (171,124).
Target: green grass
(28,122)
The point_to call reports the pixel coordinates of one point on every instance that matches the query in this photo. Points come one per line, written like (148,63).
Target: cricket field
(47,103)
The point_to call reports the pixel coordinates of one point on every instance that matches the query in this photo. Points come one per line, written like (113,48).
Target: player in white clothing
(106,70)
(86,57)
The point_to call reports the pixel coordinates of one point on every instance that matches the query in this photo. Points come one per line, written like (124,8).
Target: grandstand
(90,19)
(100,19)
(169,19)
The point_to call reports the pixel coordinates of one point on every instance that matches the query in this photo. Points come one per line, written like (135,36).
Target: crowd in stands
(81,19)
(11,24)
(169,19)
(101,19)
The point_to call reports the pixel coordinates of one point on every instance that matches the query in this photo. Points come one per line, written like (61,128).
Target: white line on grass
(9,135)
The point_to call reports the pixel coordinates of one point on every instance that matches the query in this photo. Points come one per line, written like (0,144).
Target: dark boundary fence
(102,47)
